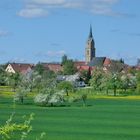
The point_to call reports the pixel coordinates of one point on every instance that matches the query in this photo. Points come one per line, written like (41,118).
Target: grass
(102,119)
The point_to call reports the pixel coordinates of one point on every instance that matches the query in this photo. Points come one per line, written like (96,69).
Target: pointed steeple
(90,33)
(90,47)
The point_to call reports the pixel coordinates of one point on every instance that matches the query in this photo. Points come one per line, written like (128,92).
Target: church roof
(97,61)
(90,33)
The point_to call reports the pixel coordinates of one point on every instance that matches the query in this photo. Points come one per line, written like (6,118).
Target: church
(90,53)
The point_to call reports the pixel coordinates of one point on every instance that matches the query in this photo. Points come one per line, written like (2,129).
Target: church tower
(90,47)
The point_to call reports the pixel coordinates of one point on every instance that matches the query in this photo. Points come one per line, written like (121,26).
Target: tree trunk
(67,93)
(107,91)
(115,91)
(21,100)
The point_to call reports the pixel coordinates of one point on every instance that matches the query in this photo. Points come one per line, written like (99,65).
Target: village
(88,66)
(70,93)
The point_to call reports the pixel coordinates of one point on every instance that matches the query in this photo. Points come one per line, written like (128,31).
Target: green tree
(125,80)
(66,86)
(3,76)
(85,76)
(39,68)
(105,81)
(138,82)
(97,78)
(14,80)
(84,98)
(69,68)
(21,94)
(115,82)
(64,59)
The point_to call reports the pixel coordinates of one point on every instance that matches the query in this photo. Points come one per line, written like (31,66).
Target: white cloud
(18,60)
(39,8)
(50,2)
(56,53)
(3,33)
(33,12)
(51,54)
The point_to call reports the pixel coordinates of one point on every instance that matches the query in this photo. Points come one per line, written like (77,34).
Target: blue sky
(44,30)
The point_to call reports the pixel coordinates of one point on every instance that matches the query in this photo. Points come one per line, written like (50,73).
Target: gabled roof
(55,67)
(21,67)
(97,61)
(107,62)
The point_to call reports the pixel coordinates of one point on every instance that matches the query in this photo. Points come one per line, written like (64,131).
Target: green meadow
(101,119)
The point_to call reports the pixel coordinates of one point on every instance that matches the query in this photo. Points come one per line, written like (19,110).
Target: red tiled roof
(53,67)
(82,68)
(107,62)
(80,63)
(21,67)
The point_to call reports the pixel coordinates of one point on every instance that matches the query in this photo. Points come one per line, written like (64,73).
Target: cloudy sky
(44,30)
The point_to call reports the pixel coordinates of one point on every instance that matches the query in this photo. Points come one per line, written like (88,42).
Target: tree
(56,98)
(64,59)
(85,76)
(66,86)
(96,80)
(14,80)
(125,82)
(3,76)
(116,66)
(138,82)
(39,68)
(69,68)
(84,97)
(49,99)
(115,82)
(21,94)
(121,61)
(105,81)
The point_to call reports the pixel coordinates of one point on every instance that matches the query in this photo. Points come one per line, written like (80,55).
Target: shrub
(41,99)
(49,99)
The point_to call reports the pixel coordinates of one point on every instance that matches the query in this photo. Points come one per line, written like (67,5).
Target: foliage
(138,82)
(13,80)
(7,131)
(56,98)
(84,97)
(39,68)
(115,82)
(116,66)
(69,68)
(21,94)
(96,79)
(66,86)
(3,76)
(64,59)
(85,76)
(128,81)
(49,99)
(41,99)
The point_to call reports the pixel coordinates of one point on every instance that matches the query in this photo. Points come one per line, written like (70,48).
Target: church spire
(90,47)
(90,33)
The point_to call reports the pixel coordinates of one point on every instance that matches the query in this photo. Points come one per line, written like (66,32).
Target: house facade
(19,67)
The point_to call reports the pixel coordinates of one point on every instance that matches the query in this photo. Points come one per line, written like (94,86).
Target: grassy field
(101,119)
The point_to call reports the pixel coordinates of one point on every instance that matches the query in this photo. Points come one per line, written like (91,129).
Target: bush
(41,99)
(8,130)
(49,99)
